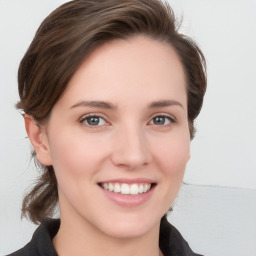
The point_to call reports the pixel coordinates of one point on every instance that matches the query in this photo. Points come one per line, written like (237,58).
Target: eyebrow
(108,105)
(94,104)
(165,103)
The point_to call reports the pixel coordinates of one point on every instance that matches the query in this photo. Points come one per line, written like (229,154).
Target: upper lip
(129,181)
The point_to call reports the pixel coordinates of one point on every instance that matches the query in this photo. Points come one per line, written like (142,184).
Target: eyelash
(85,119)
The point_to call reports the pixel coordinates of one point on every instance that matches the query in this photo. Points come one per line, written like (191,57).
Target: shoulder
(41,242)
(171,241)
(25,251)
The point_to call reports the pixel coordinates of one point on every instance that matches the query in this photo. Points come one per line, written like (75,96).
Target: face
(118,138)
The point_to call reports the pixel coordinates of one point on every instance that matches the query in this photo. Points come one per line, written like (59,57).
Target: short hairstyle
(62,43)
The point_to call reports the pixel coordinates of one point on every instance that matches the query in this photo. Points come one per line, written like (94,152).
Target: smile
(127,189)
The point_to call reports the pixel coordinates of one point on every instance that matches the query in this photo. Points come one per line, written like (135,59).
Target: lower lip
(128,200)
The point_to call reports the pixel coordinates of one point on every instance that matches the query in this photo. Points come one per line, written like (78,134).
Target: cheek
(76,155)
(173,160)
(173,155)
(76,160)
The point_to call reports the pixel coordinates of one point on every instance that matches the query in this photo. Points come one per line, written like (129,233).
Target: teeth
(110,187)
(117,188)
(134,189)
(141,188)
(146,187)
(125,189)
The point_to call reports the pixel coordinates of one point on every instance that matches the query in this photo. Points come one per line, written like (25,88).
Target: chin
(128,228)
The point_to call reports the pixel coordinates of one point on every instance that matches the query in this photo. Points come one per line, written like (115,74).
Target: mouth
(132,189)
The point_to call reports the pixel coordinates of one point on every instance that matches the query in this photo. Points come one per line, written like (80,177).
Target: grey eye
(161,120)
(93,121)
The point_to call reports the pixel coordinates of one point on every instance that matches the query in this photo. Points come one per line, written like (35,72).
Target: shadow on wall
(216,220)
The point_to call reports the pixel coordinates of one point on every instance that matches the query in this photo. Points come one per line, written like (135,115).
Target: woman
(110,91)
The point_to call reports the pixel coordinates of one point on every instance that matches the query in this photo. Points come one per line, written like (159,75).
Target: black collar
(171,242)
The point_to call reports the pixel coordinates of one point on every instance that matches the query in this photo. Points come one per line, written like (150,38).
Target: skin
(133,76)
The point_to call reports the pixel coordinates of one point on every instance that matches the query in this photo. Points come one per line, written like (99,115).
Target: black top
(171,242)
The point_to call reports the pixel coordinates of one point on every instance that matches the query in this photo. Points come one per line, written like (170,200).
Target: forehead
(129,69)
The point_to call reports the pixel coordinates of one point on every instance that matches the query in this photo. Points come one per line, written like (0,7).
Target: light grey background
(216,213)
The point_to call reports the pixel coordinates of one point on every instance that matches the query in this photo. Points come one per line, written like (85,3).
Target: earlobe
(38,139)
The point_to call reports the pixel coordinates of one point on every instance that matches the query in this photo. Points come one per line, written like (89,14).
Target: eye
(93,120)
(161,120)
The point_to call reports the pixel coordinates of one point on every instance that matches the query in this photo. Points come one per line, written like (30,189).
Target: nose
(130,149)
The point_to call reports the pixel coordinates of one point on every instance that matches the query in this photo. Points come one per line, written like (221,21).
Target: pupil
(93,121)
(159,120)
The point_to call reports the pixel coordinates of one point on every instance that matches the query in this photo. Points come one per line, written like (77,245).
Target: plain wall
(223,152)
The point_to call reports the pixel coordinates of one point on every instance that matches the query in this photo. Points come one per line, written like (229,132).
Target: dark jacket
(171,242)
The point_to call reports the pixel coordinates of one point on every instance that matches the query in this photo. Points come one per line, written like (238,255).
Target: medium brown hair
(63,41)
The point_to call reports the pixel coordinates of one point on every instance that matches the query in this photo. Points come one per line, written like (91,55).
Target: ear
(38,138)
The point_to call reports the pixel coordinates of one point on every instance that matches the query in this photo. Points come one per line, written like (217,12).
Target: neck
(80,238)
